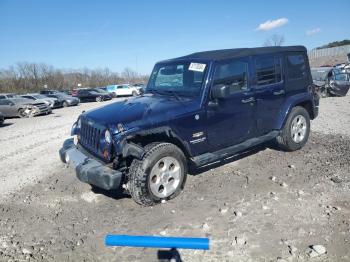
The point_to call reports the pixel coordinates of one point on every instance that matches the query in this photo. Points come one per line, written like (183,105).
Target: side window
(4,102)
(2,97)
(296,66)
(233,74)
(268,70)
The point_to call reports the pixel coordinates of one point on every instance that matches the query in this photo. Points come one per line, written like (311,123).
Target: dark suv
(196,110)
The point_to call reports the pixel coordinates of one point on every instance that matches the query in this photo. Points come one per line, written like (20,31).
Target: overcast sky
(136,34)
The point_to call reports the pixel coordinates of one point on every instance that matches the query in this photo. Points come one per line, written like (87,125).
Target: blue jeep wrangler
(196,110)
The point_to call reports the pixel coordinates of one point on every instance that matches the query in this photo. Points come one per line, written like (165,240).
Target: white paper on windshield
(197,67)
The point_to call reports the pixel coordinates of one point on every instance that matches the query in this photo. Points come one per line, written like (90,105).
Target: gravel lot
(267,205)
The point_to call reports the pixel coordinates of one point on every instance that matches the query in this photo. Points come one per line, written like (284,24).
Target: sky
(136,34)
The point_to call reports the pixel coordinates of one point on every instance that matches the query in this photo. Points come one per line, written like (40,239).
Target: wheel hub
(298,128)
(165,177)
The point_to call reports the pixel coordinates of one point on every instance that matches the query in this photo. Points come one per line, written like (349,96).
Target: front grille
(90,137)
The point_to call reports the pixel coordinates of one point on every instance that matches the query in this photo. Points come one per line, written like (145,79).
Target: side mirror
(220,91)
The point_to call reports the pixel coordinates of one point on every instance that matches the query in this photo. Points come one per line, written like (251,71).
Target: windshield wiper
(173,93)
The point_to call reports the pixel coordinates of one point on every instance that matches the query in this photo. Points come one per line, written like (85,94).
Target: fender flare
(129,148)
(291,102)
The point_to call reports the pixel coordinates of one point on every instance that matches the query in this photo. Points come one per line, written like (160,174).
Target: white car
(123,90)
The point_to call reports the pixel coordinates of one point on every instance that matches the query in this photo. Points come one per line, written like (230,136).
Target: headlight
(76,126)
(108,137)
(79,123)
(120,128)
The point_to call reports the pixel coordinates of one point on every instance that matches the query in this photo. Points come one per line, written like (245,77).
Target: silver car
(23,107)
(50,101)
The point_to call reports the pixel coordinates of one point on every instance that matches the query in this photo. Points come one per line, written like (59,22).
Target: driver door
(231,120)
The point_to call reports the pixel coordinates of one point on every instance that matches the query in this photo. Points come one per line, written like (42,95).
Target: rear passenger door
(268,90)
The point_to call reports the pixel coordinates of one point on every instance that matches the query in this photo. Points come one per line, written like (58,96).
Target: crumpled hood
(147,109)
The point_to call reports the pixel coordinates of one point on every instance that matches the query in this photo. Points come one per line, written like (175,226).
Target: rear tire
(296,130)
(160,175)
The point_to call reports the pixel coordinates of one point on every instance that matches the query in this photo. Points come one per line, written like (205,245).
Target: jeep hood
(148,109)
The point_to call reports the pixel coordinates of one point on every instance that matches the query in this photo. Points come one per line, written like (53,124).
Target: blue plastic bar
(157,242)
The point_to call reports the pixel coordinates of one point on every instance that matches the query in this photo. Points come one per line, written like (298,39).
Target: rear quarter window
(296,66)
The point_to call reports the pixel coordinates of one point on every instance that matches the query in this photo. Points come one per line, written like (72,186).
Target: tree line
(31,77)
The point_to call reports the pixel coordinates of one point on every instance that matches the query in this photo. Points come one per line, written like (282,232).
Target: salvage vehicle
(65,100)
(90,95)
(104,92)
(7,95)
(2,118)
(49,101)
(23,107)
(123,90)
(331,81)
(197,110)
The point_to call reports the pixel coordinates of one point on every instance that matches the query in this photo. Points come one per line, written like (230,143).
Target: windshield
(98,90)
(182,78)
(40,97)
(20,100)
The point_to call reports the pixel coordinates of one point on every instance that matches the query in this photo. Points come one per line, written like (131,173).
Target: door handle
(276,93)
(248,100)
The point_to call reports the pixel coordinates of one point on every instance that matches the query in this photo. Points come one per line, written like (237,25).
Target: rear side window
(233,74)
(268,70)
(296,66)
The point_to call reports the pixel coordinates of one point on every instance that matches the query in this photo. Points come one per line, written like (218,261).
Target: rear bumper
(89,170)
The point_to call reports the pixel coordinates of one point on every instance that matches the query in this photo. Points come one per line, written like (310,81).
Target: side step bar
(221,154)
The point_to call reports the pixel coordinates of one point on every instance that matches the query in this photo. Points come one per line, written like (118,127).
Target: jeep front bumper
(89,170)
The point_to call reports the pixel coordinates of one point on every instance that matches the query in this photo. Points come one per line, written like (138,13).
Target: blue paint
(157,242)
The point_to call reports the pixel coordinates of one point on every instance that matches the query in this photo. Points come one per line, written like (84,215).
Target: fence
(330,52)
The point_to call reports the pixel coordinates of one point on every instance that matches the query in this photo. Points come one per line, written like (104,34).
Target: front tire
(65,104)
(98,99)
(296,130)
(134,93)
(22,113)
(160,175)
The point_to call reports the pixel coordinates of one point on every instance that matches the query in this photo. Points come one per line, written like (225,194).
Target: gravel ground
(251,210)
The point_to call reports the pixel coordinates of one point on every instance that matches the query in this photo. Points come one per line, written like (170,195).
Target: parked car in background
(102,91)
(48,92)
(2,118)
(7,95)
(105,90)
(123,90)
(50,101)
(23,107)
(90,95)
(331,81)
(65,99)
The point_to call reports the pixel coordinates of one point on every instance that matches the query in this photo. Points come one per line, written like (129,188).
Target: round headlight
(108,137)
(79,123)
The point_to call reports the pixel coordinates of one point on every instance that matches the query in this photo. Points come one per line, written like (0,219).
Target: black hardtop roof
(217,55)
